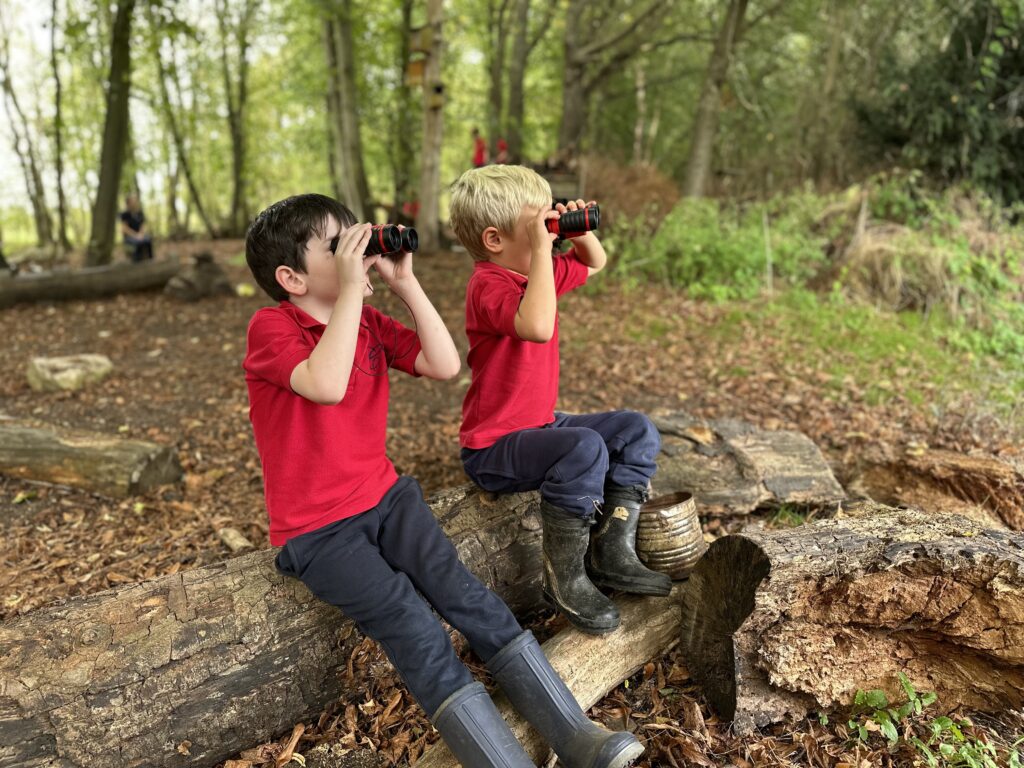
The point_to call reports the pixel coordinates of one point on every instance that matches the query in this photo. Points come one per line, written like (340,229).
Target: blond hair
(494,196)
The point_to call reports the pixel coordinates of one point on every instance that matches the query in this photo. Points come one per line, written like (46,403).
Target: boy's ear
(491,238)
(292,281)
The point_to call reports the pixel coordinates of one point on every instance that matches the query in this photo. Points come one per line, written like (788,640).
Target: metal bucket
(669,537)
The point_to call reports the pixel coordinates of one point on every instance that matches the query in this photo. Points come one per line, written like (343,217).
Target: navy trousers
(371,566)
(142,248)
(571,459)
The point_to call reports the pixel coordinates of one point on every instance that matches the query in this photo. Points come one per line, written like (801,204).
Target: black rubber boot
(566,586)
(476,733)
(540,695)
(611,559)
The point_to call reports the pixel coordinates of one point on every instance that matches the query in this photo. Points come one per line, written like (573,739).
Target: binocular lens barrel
(576,223)
(410,240)
(384,238)
(387,239)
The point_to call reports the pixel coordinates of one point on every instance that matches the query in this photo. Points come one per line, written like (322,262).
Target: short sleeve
(401,344)
(274,346)
(495,302)
(570,272)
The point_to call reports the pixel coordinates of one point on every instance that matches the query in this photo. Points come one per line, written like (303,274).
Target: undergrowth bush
(908,248)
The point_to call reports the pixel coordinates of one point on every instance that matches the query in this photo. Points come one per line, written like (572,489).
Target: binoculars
(576,223)
(387,239)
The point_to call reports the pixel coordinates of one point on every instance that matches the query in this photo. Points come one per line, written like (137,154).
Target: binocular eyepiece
(576,223)
(388,240)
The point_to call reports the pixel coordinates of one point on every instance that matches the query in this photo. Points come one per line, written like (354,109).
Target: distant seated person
(133,228)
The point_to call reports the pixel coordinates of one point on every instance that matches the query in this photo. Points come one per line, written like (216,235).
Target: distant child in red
(479,149)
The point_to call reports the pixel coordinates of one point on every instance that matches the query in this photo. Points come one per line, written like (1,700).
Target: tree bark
(590,666)
(236,90)
(733,468)
(58,136)
(497,31)
(523,44)
(705,123)
(402,141)
(170,115)
(115,139)
(232,654)
(107,465)
(24,148)
(985,488)
(785,622)
(343,106)
(86,283)
(428,218)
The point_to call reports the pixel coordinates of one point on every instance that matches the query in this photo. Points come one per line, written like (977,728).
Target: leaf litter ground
(178,380)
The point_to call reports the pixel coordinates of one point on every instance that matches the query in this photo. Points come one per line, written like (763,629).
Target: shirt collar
(300,316)
(490,265)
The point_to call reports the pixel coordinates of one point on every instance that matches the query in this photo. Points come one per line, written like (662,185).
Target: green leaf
(876,699)
(889,729)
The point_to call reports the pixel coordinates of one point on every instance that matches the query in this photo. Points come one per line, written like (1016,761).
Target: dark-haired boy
(356,534)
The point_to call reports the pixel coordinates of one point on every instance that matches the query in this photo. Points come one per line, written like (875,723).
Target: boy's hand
(395,269)
(576,205)
(540,238)
(352,265)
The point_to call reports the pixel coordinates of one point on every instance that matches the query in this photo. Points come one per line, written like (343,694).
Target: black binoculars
(576,223)
(387,239)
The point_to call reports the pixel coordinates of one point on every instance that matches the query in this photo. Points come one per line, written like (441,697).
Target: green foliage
(718,250)
(941,741)
(955,110)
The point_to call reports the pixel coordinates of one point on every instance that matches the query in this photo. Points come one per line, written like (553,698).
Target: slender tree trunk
(574,98)
(823,144)
(498,35)
(428,218)
(115,136)
(236,89)
(169,110)
(640,124)
(25,149)
(343,95)
(403,151)
(58,137)
(705,124)
(517,77)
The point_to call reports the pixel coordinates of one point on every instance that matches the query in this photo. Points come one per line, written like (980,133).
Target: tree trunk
(985,488)
(58,137)
(86,283)
(26,152)
(402,141)
(517,79)
(115,138)
(823,142)
(343,101)
(107,465)
(590,666)
(732,467)
(170,115)
(236,89)
(784,622)
(428,218)
(705,123)
(497,31)
(574,97)
(232,654)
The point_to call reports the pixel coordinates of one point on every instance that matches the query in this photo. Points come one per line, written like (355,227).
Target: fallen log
(87,282)
(983,487)
(732,467)
(786,622)
(224,656)
(591,666)
(108,465)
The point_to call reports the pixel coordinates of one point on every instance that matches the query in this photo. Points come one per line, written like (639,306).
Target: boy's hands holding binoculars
(348,253)
(397,268)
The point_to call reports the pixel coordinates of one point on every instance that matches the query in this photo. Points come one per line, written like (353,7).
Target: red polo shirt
(515,382)
(321,462)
